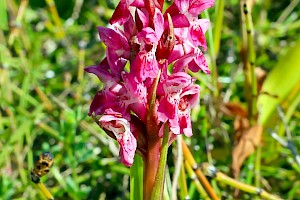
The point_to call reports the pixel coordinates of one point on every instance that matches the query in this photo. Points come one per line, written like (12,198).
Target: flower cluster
(148,55)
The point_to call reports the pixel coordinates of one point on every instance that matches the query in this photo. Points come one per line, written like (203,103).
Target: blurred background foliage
(45,96)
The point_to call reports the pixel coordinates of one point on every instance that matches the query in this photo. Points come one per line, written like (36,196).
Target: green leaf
(281,87)
(218,25)
(136,179)
(3,15)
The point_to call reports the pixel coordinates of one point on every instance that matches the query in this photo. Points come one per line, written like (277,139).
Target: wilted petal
(114,122)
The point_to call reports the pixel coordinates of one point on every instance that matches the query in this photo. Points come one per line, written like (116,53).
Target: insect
(42,166)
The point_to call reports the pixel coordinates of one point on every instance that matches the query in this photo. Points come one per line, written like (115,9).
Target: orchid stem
(158,189)
(150,169)
(151,161)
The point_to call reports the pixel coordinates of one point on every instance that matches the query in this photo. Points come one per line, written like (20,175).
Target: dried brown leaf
(233,109)
(249,140)
(240,124)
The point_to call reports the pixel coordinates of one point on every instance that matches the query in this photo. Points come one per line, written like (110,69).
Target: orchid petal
(113,39)
(158,23)
(198,6)
(114,122)
(121,14)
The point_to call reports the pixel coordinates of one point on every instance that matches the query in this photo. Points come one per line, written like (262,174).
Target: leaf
(282,84)
(240,124)
(136,179)
(3,15)
(233,109)
(218,25)
(249,140)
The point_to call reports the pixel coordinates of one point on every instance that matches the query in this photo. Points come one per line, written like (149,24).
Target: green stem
(257,166)
(158,189)
(53,10)
(219,11)
(212,52)
(253,84)
(212,172)
(250,172)
(244,187)
(177,167)
(183,185)
(251,60)
(197,183)
(189,157)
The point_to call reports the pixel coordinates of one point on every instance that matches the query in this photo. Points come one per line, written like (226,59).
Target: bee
(42,166)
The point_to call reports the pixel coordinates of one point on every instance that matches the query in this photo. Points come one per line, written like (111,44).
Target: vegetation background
(45,96)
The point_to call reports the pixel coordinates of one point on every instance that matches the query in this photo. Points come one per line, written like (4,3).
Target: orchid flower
(153,92)
(178,95)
